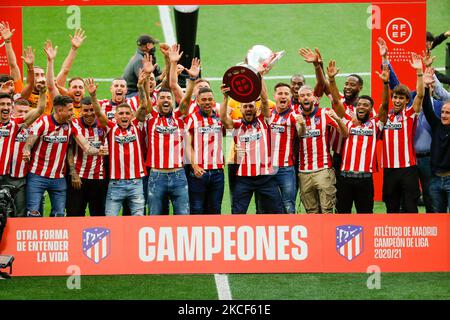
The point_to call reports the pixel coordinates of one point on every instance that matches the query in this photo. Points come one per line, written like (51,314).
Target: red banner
(228,244)
(403,27)
(14,16)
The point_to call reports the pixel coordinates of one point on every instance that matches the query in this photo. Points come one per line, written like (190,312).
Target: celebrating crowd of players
(152,143)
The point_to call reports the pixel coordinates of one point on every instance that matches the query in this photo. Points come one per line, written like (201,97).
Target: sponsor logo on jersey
(393,126)
(250,137)
(4,133)
(311,134)
(166,130)
(278,128)
(125,139)
(210,129)
(55,139)
(96,144)
(361,131)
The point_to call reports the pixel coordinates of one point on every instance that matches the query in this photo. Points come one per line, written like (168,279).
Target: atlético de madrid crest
(349,241)
(96,243)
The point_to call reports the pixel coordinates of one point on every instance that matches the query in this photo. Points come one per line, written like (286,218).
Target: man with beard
(126,168)
(204,150)
(76,92)
(352,87)
(165,151)
(46,149)
(255,174)
(12,131)
(355,184)
(86,182)
(145,44)
(119,91)
(284,124)
(401,178)
(42,79)
(317,177)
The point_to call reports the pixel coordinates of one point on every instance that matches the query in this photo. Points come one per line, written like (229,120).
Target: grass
(307,286)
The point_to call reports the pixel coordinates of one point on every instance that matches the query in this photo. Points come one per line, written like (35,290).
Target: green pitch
(225,33)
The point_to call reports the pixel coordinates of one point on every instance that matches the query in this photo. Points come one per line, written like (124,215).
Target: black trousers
(354,190)
(398,184)
(92,194)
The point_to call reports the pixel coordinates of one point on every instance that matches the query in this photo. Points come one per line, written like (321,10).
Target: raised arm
(439,92)
(175,56)
(76,40)
(28,59)
(7,34)
(265,108)
(141,112)
(50,76)
(416,63)
(332,71)
(193,73)
(33,115)
(428,111)
(224,116)
(91,87)
(313,57)
(382,46)
(383,111)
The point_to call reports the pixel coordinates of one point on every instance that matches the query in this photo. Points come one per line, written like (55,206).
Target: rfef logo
(399,30)
(349,241)
(96,243)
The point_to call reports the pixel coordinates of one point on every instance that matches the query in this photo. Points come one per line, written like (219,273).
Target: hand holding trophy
(244,79)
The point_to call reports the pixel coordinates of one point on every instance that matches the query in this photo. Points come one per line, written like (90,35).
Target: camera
(7,208)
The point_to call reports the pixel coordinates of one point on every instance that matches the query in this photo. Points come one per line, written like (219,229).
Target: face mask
(152,51)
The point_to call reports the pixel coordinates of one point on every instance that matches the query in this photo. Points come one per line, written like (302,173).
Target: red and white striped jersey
(8,133)
(125,155)
(89,167)
(254,141)
(358,152)
(165,141)
(398,139)
(19,167)
(283,131)
(314,148)
(109,107)
(337,141)
(206,133)
(48,157)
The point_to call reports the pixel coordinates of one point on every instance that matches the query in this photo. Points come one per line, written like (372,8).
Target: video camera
(7,208)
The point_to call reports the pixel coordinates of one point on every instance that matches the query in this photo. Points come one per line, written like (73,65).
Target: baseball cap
(144,39)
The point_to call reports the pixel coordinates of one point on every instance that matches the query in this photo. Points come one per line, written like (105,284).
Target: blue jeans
(440,194)
(131,190)
(168,184)
(267,189)
(425,176)
(56,188)
(206,192)
(286,180)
